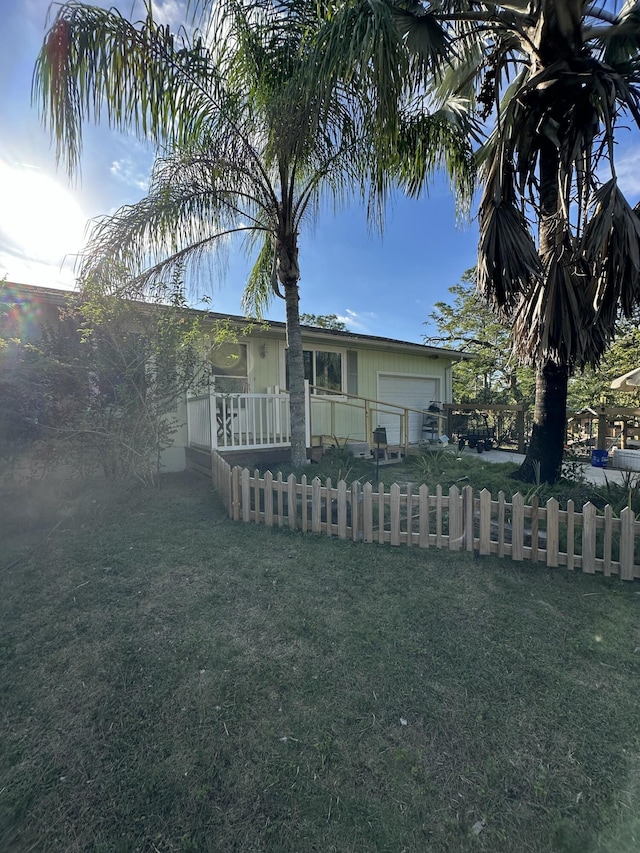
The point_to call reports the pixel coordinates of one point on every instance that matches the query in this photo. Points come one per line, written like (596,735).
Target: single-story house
(356,383)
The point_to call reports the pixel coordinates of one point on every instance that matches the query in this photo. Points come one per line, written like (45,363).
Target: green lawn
(172,681)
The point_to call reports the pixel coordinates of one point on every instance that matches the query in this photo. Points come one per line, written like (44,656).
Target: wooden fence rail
(588,540)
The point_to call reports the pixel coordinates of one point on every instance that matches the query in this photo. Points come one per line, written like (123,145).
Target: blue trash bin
(599,458)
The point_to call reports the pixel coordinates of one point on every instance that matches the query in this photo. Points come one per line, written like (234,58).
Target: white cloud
(357,321)
(170,12)
(127,172)
(628,171)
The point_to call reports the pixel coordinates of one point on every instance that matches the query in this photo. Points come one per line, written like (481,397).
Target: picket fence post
(268,499)
(395,514)
(501,519)
(256,495)
(246,495)
(517,527)
(535,525)
(627,519)
(439,516)
(589,538)
(355,511)
(553,532)
(381,509)
(367,512)
(292,503)
(455,519)
(304,516)
(236,493)
(608,539)
(329,503)
(342,509)
(280,490)
(316,506)
(484,546)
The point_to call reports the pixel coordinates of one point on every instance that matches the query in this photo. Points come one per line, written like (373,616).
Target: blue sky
(379,285)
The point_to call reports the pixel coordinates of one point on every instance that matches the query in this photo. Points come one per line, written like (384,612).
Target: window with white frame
(323,369)
(229,368)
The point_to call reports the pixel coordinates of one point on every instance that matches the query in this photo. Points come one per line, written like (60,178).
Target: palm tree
(559,248)
(551,157)
(252,132)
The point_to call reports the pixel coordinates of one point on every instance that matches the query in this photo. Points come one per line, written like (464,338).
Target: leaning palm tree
(250,136)
(559,248)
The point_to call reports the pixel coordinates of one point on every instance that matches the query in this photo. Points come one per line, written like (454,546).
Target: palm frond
(361,45)
(611,245)
(441,139)
(94,62)
(191,212)
(261,284)
(555,320)
(508,260)
(424,36)
(460,75)
(621,41)
(500,142)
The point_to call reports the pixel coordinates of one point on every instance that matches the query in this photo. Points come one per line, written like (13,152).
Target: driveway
(594,475)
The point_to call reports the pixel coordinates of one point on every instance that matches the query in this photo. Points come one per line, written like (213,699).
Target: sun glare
(38,217)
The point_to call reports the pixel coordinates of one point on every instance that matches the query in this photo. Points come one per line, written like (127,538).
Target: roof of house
(55,296)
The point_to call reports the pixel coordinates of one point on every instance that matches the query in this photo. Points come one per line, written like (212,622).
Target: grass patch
(448,467)
(172,681)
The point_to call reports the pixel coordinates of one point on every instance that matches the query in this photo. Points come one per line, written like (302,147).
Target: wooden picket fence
(456,520)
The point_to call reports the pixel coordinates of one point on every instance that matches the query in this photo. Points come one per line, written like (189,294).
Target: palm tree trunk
(543,461)
(296,377)
(288,273)
(544,455)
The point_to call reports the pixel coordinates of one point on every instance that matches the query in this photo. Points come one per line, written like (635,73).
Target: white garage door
(414,392)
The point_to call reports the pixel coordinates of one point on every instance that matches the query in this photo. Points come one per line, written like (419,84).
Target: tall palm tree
(559,248)
(551,160)
(250,137)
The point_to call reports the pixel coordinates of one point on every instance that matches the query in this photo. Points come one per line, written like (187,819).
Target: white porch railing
(247,421)
(238,421)
(199,422)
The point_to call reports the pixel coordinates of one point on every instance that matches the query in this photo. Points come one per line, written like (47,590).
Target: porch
(237,422)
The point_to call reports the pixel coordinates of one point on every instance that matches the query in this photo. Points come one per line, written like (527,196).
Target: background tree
(324,321)
(593,386)
(467,323)
(252,125)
